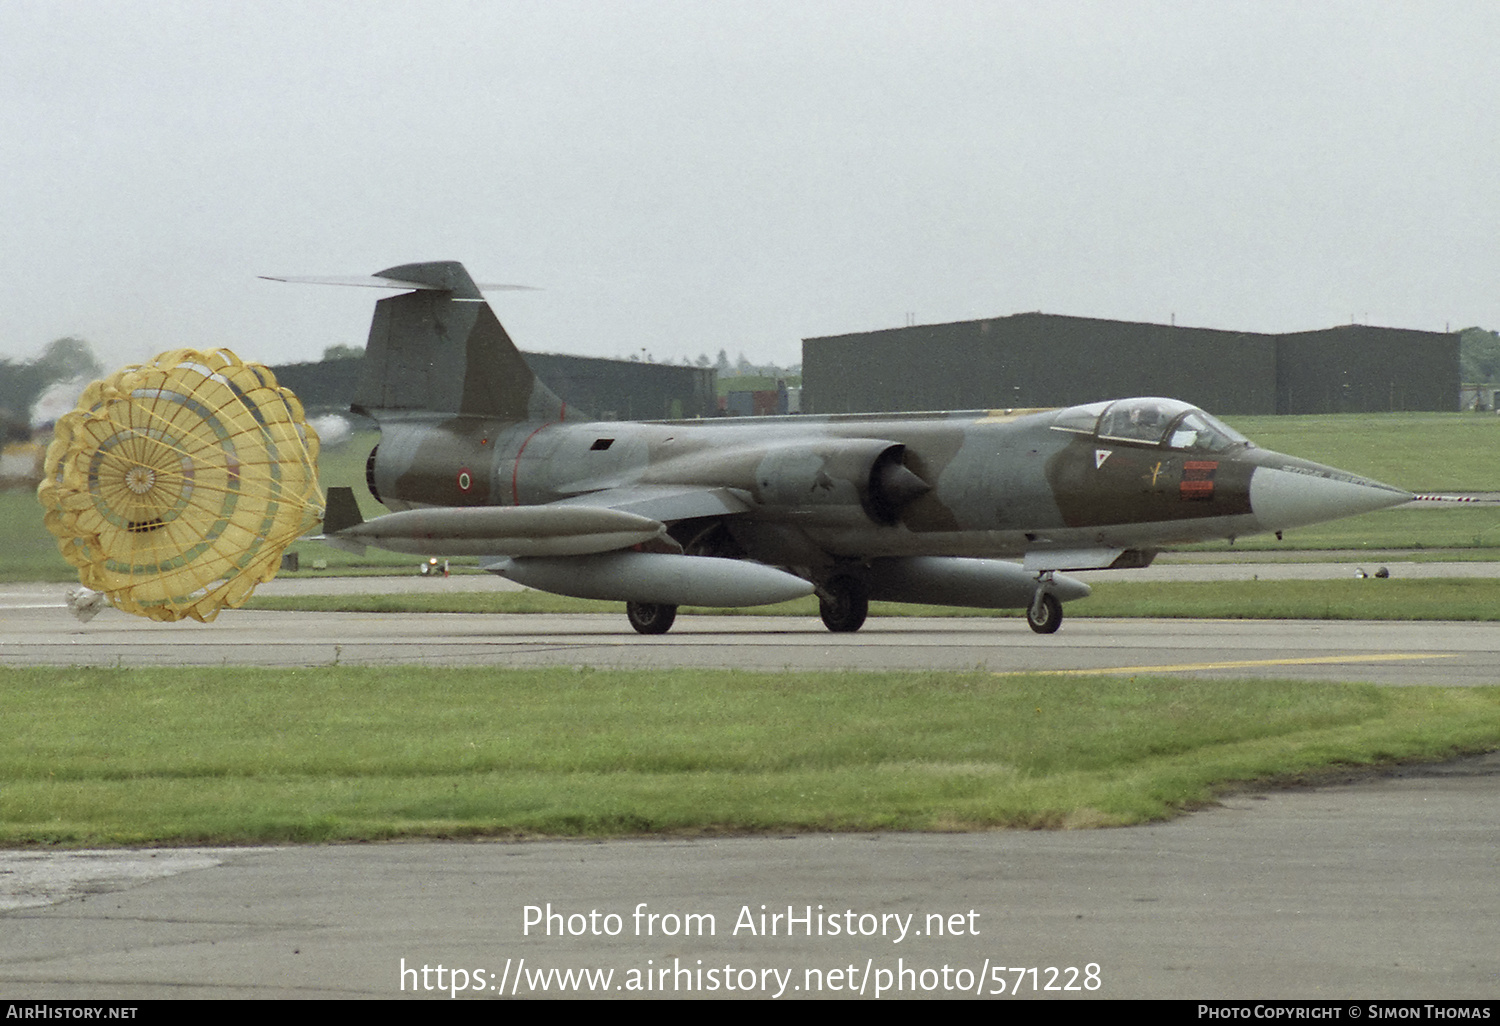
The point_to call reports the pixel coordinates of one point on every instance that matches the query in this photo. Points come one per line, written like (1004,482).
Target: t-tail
(440,349)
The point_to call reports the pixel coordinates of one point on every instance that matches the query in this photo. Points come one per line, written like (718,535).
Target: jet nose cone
(1287,492)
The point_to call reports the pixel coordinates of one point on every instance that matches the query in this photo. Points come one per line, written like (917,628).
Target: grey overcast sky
(681,177)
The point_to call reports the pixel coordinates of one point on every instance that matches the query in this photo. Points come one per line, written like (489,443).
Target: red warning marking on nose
(1197,480)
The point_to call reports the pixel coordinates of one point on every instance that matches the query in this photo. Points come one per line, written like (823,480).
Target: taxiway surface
(36,629)
(1384,887)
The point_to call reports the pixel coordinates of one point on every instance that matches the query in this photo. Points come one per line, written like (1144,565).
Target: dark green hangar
(1047,360)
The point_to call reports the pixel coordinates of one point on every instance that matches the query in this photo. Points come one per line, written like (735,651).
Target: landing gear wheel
(1045,617)
(847,605)
(650,617)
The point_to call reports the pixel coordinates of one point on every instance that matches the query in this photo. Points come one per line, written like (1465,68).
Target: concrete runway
(1385,887)
(35,629)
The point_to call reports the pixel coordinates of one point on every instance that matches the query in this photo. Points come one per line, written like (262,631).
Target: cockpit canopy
(1170,423)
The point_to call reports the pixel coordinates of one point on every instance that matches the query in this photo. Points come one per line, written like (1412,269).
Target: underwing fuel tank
(655,577)
(952,581)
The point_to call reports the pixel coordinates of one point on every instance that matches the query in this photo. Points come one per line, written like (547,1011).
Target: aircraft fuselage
(988,483)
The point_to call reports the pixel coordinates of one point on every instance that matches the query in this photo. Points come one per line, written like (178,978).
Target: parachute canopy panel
(175,485)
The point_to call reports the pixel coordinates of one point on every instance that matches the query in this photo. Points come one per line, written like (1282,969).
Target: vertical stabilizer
(441,349)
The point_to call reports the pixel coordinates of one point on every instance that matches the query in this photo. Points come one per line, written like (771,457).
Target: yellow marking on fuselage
(1239,664)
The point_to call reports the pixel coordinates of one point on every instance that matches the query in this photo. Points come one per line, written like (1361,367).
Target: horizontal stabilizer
(503,531)
(375,281)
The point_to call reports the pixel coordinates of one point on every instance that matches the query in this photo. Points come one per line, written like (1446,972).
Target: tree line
(22,383)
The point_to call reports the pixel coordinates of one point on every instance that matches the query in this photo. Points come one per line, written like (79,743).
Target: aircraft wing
(602,521)
(665,503)
(1098,558)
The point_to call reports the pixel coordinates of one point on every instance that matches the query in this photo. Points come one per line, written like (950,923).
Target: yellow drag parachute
(175,485)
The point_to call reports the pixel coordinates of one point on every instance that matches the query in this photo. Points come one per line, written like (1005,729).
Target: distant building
(324,387)
(606,389)
(1355,368)
(628,389)
(1044,360)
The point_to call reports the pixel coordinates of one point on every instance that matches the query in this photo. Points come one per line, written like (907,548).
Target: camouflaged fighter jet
(986,508)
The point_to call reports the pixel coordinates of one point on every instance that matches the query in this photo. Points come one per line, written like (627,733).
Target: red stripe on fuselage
(515,471)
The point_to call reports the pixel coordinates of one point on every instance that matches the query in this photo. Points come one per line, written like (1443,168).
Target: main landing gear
(844,602)
(650,617)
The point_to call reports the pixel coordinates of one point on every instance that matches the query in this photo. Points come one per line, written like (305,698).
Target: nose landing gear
(1045,614)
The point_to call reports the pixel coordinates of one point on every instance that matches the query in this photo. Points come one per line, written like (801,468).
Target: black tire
(650,617)
(1050,618)
(847,605)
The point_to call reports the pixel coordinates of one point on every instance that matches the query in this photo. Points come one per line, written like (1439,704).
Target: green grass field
(100,757)
(1422,452)
(108,757)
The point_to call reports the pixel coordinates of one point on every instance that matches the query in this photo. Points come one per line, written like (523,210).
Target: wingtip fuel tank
(516,530)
